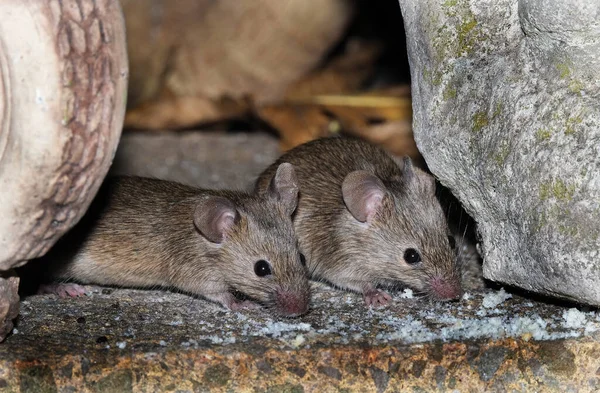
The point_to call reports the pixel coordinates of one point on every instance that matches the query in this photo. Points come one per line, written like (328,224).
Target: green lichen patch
(461,36)
(502,154)
(568,230)
(543,134)
(449,92)
(436,79)
(497,110)
(564,70)
(455,33)
(557,189)
(480,119)
(575,86)
(466,36)
(426,73)
(572,123)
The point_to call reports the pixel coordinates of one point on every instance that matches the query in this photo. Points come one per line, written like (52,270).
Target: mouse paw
(376,297)
(62,290)
(243,305)
(231,302)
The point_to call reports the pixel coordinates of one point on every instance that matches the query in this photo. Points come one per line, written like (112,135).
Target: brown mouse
(366,221)
(144,232)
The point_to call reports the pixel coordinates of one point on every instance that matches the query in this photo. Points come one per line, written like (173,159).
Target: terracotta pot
(63,83)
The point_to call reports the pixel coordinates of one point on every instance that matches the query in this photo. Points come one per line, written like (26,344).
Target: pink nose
(292,304)
(443,289)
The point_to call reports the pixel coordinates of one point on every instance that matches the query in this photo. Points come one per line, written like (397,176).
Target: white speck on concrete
(121,344)
(406,294)
(277,328)
(573,318)
(298,341)
(493,299)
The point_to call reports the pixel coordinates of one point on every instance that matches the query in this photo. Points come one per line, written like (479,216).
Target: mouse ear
(214,217)
(284,187)
(362,193)
(420,179)
(408,170)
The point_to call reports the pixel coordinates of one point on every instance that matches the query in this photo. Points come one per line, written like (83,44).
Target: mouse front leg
(215,290)
(231,302)
(375,297)
(372,296)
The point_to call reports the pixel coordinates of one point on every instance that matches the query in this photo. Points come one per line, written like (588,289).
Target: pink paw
(63,290)
(376,297)
(243,305)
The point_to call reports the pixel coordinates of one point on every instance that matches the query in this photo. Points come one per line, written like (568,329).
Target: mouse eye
(302,259)
(452,241)
(262,268)
(412,256)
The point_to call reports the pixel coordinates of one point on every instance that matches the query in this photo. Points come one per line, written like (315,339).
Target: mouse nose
(443,289)
(292,304)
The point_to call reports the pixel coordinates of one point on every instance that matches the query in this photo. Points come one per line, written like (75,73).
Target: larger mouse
(365,220)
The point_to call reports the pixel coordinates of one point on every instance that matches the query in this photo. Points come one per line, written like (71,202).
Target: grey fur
(140,233)
(361,256)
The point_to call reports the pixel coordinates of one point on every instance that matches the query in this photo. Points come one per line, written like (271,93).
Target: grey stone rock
(201,159)
(9,302)
(507,115)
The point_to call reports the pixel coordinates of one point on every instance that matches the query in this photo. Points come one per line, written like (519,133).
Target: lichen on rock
(507,116)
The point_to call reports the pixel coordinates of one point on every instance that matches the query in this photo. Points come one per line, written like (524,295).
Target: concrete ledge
(153,341)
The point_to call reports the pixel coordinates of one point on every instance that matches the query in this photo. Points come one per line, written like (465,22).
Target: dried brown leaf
(191,53)
(382,117)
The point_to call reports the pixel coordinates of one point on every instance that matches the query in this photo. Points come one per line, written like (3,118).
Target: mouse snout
(444,289)
(292,303)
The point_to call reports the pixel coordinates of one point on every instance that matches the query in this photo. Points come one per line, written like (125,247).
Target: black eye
(412,256)
(262,268)
(452,241)
(302,259)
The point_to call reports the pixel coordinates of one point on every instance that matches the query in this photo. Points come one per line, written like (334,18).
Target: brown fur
(357,255)
(141,233)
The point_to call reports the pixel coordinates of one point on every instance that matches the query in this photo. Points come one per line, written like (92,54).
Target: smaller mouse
(144,233)
(366,220)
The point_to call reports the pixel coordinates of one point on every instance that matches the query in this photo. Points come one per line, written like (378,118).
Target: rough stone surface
(208,160)
(153,341)
(9,303)
(507,115)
